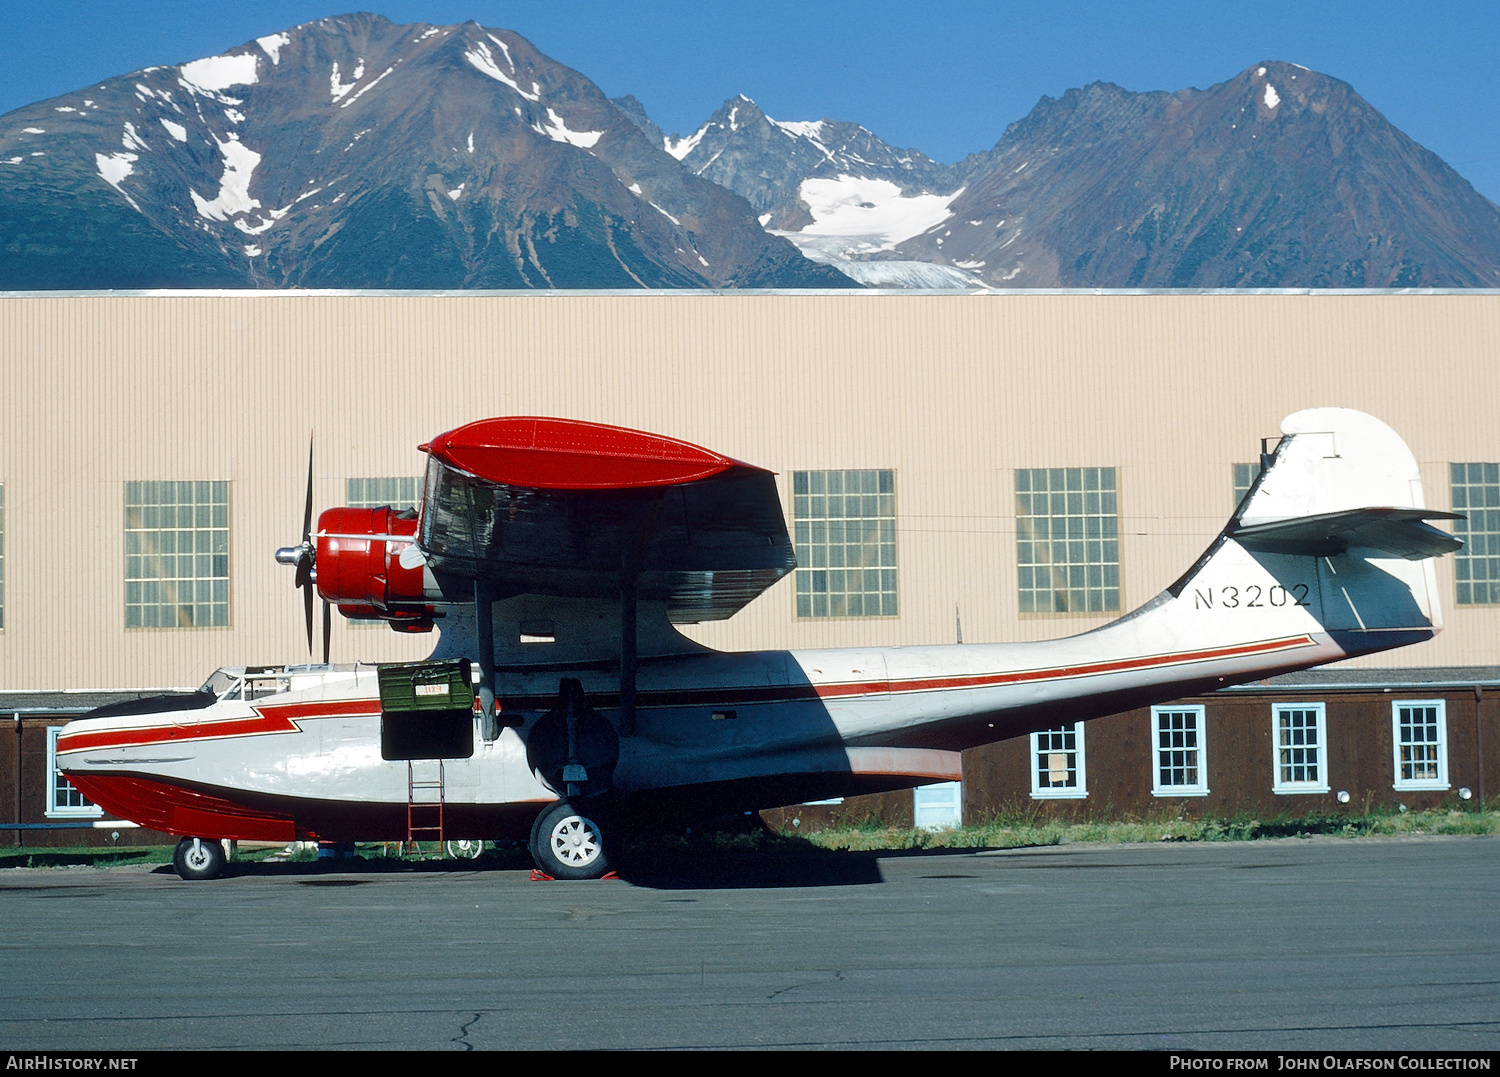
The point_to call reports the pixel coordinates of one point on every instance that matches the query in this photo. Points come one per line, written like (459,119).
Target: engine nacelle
(359,567)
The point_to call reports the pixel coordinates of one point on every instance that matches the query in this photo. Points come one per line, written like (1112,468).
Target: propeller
(304,557)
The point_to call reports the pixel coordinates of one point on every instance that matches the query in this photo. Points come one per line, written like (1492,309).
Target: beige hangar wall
(952,391)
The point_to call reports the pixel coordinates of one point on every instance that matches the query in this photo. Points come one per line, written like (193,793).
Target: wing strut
(632,557)
(484,617)
(627,658)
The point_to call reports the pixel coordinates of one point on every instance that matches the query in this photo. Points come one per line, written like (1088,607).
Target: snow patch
(65,108)
(634,188)
(812,129)
(453,194)
(14,160)
(667,215)
(113,169)
(271,217)
(366,89)
(429,33)
(234,186)
(176,130)
(969,265)
(1012,274)
(1272,100)
(337,88)
(483,60)
(252,250)
(558,131)
(272,46)
(505,49)
(681,147)
(234,115)
(35,130)
(872,211)
(215,73)
(764,219)
(1260,72)
(131,140)
(471,141)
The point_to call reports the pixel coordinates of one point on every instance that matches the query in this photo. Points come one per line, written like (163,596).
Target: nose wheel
(567,843)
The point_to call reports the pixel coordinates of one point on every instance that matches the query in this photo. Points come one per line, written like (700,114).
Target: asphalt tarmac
(1314,944)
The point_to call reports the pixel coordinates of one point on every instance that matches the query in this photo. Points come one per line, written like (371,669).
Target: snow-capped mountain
(835,189)
(1279,177)
(353,152)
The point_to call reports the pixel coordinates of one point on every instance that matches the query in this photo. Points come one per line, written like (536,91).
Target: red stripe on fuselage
(749,695)
(270,718)
(1122,665)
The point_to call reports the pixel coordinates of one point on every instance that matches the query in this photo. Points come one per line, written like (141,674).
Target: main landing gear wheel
(465,849)
(567,844)
(199,858)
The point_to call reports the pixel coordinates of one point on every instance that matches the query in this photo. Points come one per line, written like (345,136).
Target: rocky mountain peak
(356,152)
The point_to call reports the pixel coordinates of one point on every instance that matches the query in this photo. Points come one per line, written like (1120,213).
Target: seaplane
(563,706)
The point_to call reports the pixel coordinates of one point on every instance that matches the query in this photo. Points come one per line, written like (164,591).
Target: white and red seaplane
(557,556)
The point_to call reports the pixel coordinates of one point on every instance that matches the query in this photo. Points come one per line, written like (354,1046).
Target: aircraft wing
(562,507)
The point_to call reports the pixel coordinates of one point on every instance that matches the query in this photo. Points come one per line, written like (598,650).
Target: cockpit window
(222,684)
(258,686)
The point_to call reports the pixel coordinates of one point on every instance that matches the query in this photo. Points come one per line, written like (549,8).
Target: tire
(199,858)
(465,849)
(567,844)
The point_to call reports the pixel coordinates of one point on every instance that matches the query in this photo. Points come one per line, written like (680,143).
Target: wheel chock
(540,876)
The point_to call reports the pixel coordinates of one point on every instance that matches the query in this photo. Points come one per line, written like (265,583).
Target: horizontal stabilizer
(1400,532)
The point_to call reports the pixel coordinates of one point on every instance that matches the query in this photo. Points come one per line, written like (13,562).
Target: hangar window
(399,492)
(1067,540)
(1419,731)
(176,554)
(1057,765)
(1244,478)
(1181,769)
(2,555)
(1476,567)
(845,527)
(1301,739)
(62,799)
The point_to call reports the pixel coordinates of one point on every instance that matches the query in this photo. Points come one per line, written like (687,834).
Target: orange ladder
(420,814)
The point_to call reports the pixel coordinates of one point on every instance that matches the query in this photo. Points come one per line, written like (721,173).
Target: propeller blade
(307,609)
(307,510)
(327,628)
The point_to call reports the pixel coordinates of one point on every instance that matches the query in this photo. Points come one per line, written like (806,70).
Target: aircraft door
(426,710)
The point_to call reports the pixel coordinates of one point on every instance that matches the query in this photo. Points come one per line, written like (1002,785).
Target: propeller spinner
(304,557)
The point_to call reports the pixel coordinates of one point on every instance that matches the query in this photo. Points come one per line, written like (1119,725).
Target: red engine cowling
(360,571)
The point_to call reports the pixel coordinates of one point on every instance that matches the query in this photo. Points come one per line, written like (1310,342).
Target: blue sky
(945,77)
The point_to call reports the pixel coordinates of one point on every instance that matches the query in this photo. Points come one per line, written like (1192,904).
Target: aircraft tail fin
(1333,540)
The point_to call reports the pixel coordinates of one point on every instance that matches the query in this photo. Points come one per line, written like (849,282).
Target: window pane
(845,520)
(1058,571)
(176,544)
(1477,565)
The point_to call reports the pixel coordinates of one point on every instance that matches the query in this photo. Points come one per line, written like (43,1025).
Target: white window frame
(63,811)
(1439,783)
(1278,784)
(1200,789)
(1078,791)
